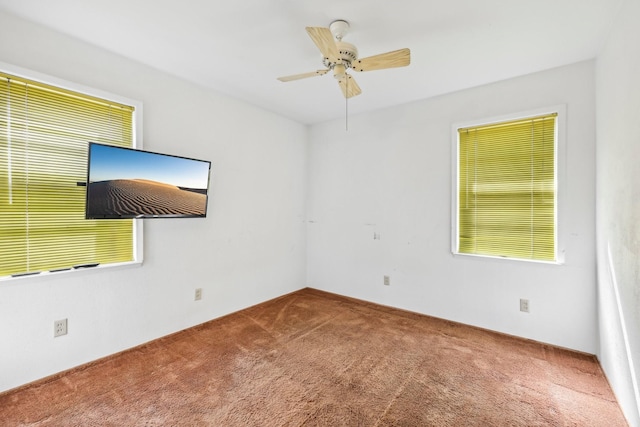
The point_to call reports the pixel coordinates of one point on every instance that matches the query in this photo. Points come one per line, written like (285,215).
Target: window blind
(507,189)
(44,135)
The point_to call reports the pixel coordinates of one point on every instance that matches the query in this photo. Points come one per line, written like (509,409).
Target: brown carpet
(316,359)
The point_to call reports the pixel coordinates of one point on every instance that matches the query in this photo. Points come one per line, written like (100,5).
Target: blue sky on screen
(107,163)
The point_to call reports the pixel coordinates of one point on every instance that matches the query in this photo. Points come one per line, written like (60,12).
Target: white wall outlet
(59,328)
(524,305)
(387,281)
(198,294)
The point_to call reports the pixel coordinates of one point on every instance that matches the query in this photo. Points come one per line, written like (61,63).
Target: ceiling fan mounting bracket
(339,28)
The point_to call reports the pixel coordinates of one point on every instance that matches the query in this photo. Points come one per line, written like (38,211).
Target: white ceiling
(240,47)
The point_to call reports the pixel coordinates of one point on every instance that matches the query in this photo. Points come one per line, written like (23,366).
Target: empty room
(288,213)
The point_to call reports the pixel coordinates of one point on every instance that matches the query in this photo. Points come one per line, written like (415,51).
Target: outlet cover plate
(59,328)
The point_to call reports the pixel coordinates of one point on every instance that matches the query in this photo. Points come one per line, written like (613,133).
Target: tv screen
(129,183)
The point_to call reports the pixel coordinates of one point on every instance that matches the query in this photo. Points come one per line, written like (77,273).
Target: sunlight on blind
(44,136)
(507,189)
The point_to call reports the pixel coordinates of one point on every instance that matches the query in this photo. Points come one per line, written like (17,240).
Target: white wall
(250,248)
(618,208)
(390,173)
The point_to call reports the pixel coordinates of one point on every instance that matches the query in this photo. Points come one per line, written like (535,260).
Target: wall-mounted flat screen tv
(129,183)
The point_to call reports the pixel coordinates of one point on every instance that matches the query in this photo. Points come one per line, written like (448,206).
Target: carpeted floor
(316,359)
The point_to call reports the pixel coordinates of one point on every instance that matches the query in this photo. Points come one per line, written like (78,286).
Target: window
(44,136)
(507,189)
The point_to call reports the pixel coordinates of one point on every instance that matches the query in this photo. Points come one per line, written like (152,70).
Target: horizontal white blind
(507,189)
(44,136)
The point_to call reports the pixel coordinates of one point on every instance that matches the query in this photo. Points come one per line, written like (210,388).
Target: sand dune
(132,197)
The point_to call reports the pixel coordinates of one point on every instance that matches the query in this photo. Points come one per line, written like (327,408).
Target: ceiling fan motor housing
(347,52)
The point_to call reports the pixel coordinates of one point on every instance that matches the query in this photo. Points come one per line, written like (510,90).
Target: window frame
(559,166)
(137,144)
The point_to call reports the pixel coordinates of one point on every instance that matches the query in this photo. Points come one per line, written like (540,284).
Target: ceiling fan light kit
(339,56)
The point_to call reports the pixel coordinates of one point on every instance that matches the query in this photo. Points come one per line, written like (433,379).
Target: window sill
(559,261)
(44,275)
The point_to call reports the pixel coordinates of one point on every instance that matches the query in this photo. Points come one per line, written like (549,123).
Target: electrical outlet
(524,305)
(59,328)
(386,281)
(198,294)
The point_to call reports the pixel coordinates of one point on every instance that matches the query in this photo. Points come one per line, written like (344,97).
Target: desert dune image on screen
(126,183)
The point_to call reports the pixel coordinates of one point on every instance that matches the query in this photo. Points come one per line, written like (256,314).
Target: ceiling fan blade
(303,75)
(396,58)
(349,86)
(323,38)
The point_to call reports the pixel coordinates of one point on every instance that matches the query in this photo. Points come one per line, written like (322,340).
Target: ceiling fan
(340,56)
